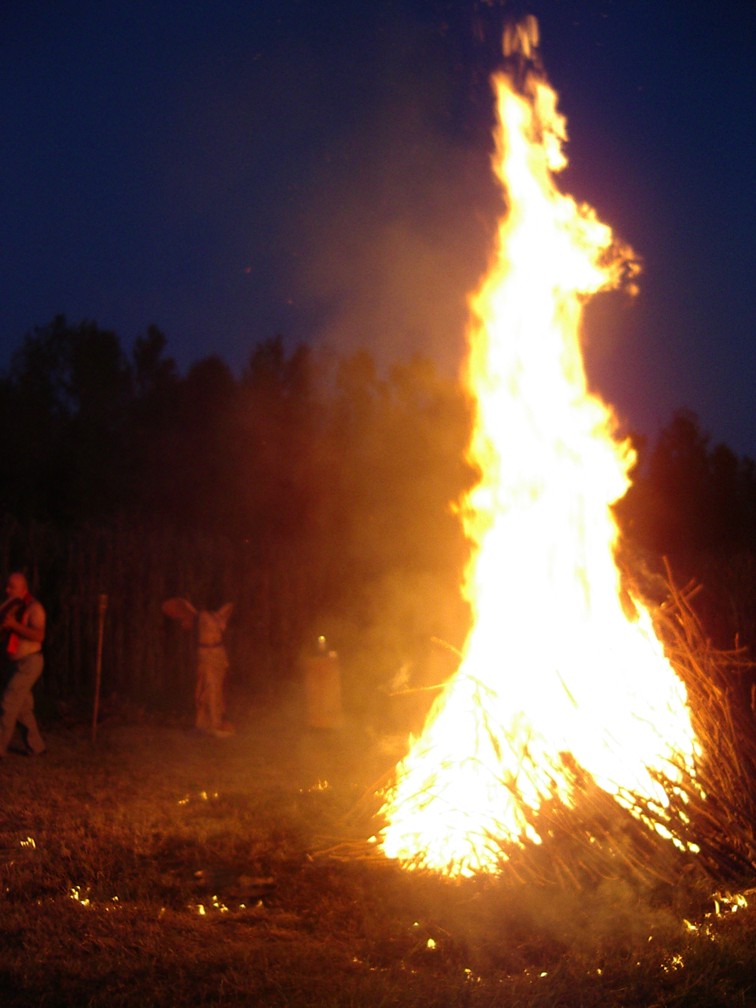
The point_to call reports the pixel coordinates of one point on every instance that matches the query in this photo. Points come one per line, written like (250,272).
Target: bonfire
(566,715)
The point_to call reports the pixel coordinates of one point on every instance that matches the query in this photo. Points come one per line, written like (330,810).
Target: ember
(562,679)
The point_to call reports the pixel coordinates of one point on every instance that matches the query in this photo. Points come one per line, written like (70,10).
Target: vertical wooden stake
(101,610)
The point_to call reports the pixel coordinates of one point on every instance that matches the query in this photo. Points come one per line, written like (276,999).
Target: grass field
(159,868)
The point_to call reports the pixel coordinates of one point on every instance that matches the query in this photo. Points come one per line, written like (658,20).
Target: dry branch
(709,815)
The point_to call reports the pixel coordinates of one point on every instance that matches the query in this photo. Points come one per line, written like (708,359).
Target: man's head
(17,586)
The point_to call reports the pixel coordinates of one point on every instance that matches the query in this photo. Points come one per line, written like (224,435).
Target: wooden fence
(147,659)
(280,591)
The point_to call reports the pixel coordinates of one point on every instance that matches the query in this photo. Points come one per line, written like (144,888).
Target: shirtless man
(24,625)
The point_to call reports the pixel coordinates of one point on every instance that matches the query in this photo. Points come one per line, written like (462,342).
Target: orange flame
(554,664)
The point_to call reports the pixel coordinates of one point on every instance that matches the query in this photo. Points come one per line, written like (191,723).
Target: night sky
(320,169)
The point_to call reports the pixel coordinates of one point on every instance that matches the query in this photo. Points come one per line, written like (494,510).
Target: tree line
(313,491)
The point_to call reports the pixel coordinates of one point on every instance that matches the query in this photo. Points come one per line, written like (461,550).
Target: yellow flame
(557,671)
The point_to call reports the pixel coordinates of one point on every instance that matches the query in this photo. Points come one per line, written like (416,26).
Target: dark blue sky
(232,170)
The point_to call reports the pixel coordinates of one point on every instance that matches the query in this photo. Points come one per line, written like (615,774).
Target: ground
(156,866)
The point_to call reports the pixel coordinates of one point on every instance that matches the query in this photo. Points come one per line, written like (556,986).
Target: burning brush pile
(586,733)
(691,819)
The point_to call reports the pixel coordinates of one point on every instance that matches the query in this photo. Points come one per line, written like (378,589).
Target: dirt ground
(160,867)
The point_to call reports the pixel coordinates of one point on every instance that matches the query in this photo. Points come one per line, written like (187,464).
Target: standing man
(212,665)
(24,623)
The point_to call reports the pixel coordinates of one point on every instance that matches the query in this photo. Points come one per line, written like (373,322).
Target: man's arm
(34,630)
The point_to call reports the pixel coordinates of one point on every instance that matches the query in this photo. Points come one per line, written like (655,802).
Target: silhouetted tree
(154,373)
(99,387)
(689,498)
(155,429)
(280,430)
(68,391)
(199,448)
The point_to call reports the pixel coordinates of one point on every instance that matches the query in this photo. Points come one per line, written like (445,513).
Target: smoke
(391,284)
(400,212)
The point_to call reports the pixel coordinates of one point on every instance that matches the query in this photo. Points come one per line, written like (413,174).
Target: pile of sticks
(706,828)
(720,812)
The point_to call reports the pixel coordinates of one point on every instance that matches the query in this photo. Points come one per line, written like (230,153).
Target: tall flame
(557,670)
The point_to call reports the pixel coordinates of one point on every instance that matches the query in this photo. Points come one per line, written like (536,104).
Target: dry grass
(108,851)
(720,687)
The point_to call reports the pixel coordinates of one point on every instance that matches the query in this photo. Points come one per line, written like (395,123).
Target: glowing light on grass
(562,677)
(79,895)
(674,963)
(724,903)
(201,795)
(75,893)
(731,902)
(319,785)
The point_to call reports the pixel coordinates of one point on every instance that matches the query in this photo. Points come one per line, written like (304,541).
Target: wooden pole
(101,610)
